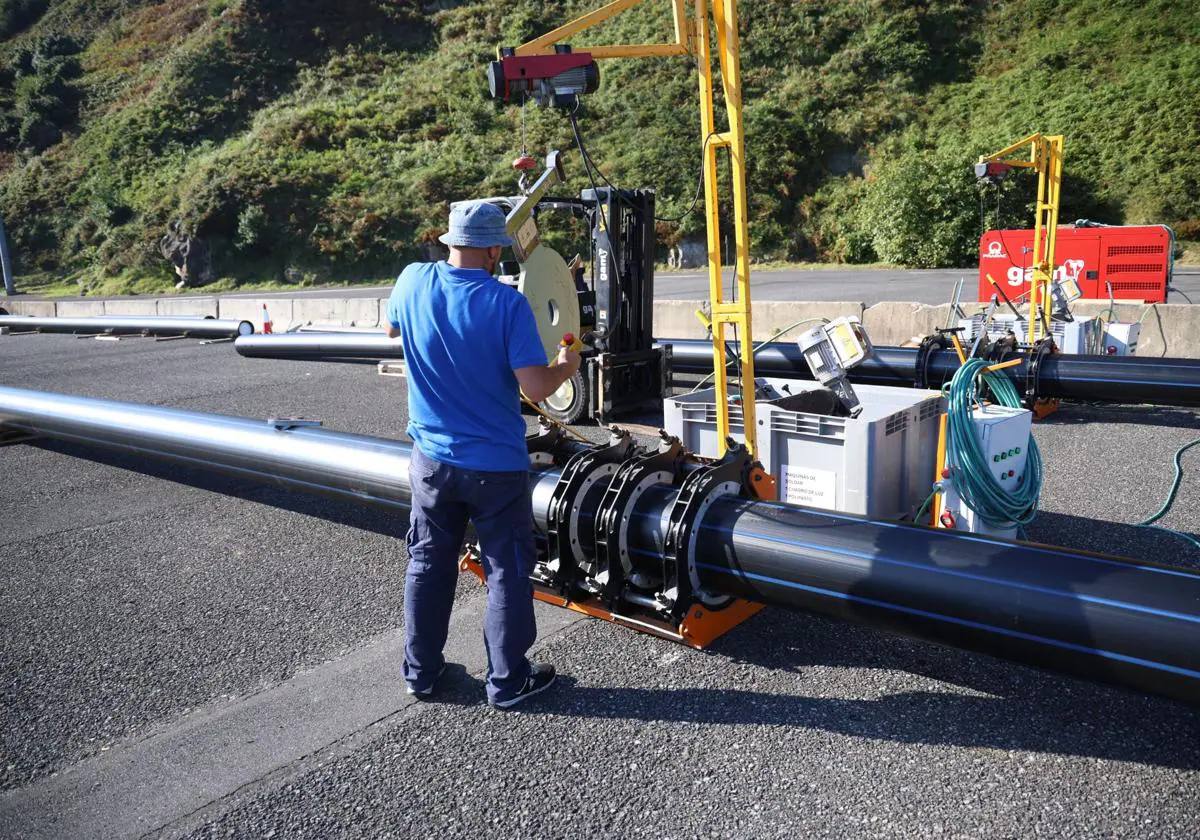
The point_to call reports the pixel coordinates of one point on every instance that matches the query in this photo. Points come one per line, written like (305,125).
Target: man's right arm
(539,382)
(392,315)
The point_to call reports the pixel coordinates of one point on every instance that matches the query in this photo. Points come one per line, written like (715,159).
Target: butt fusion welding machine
(610,308)
(588,566)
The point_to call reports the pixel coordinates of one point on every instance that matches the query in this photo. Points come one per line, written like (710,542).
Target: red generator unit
(1136,260)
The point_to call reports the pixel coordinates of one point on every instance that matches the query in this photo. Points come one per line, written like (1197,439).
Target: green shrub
(331,137)
(17,15)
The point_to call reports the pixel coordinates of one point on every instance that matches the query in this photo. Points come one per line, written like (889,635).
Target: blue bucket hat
(476,224)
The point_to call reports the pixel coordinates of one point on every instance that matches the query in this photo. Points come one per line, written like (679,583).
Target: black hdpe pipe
(1124,379)
(321,347)
(132,325)
(1135,624)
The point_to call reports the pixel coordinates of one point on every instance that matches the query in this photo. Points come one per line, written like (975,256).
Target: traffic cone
(267,330)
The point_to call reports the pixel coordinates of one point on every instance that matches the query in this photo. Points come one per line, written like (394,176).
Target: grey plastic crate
(879,464)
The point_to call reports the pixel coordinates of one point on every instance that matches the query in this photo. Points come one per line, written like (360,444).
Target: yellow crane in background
(1046,158)
(548,67)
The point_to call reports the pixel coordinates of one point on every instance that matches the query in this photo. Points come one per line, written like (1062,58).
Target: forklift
(607,300)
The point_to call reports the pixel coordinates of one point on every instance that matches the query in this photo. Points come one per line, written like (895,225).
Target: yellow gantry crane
(546,59)
(1046,157)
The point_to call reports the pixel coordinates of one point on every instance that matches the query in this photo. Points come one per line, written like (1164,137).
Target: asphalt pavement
(193,655)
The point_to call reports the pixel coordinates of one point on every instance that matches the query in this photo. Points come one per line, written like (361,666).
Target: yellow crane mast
(1046,158)
(694,34)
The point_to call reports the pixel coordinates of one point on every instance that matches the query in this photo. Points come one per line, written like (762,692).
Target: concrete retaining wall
(350,312)
(251,309)
(33,308)
(131,308)
(182,306)
(1167,329)
(79,308)
(677,318)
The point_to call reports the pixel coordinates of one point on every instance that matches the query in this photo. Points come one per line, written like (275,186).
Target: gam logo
(1069,270)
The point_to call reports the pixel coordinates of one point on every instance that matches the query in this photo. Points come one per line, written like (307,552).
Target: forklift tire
(570,402)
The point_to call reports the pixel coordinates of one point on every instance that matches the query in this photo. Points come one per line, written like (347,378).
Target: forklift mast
(622,371)
(622,267)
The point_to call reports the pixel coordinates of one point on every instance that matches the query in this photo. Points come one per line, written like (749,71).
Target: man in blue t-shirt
(469,342)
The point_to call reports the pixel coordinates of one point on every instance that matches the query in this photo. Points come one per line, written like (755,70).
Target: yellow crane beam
(1045,156)
(694,36)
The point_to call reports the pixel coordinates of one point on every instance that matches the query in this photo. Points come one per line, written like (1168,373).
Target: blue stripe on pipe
(874,558)
(1173,383)
(975,625)
(937,533)
(1045,590)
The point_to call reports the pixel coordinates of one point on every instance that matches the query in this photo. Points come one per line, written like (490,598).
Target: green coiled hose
(972,474)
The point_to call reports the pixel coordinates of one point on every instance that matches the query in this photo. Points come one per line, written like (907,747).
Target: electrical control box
(1003,434)
(1121,339)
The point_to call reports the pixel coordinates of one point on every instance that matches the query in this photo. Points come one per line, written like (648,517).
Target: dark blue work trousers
(444,498)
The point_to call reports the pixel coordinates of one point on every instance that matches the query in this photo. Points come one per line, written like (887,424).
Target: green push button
(995,457)
(1003,455)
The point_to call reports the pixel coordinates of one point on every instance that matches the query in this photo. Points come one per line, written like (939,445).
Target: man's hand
(537,383)
(568,358)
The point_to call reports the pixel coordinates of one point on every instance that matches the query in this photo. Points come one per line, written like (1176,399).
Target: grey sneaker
(412,692)
(540,678)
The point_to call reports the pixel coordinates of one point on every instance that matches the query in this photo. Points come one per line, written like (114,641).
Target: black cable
(699,185)
(1181,294)
(616,318)
(588,163)
(588,169)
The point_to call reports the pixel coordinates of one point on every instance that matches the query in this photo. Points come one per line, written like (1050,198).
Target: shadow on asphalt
(1011,707)
(1022,708)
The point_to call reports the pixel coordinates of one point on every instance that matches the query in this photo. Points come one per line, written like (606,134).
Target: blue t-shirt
(464,333)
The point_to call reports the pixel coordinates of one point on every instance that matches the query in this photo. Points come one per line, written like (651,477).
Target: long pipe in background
(1121,379)
(1136,624)
(1124,379)
(157,325)
(321,347)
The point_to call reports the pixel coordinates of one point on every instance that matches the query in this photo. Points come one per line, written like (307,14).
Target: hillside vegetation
(310,141)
